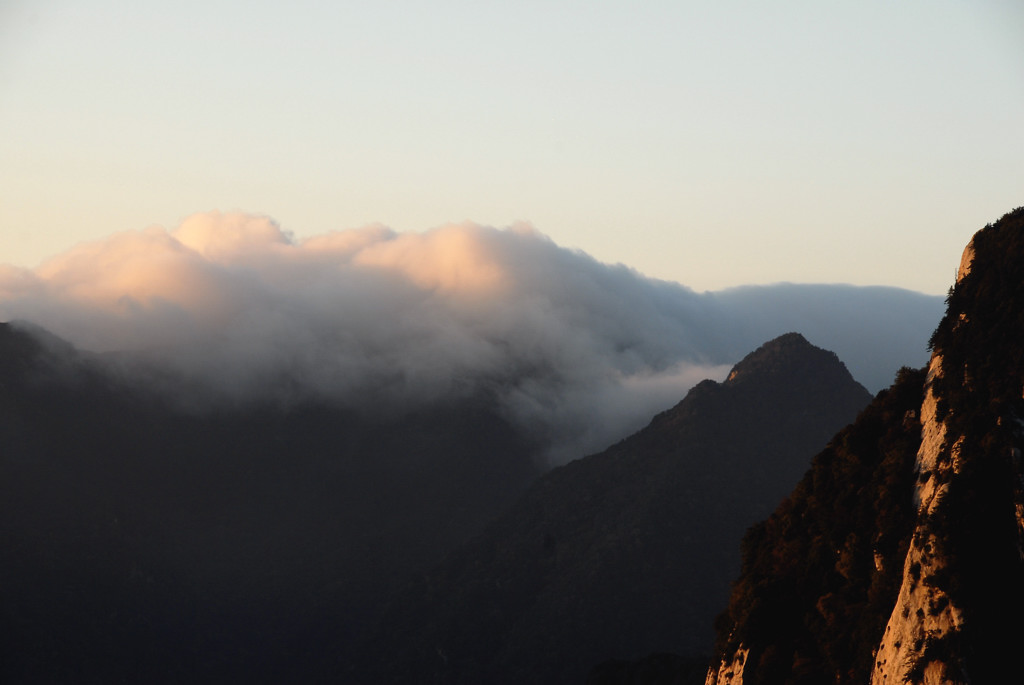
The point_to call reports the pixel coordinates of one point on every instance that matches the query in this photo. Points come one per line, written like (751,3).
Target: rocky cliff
(931,589)
(955,619)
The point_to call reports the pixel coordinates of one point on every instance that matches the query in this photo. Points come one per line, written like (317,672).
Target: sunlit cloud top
(239,310)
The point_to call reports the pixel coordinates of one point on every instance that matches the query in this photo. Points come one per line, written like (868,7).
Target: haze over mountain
(257,542)
(234,309)
(898,558)
(296,427)
(147,544)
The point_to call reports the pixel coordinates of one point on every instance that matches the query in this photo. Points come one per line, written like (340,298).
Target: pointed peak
(791,360)
(786,341)
(775,355)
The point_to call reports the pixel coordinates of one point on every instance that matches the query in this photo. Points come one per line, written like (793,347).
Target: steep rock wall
(729,672)
(924,613)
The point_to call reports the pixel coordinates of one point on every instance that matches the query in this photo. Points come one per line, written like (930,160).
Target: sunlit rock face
(932,591)
(969,472)
(729,672)
(923,611)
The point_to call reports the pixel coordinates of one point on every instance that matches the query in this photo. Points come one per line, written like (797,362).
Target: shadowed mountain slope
(144,543)
(626,552)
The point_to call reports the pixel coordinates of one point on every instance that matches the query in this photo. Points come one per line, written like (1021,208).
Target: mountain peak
(788,356)
(769,354)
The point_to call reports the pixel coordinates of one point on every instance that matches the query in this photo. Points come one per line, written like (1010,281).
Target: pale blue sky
(713,144)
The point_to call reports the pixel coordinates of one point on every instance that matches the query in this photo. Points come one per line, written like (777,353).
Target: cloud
(576,350)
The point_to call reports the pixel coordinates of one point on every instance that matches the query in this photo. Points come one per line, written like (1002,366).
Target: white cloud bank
(579,350)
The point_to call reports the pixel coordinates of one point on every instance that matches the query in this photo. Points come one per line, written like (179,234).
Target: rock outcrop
(949,566)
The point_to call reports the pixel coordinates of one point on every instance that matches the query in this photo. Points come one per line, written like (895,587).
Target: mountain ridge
(583,566)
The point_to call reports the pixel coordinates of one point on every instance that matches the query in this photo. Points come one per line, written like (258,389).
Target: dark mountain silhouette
(626,552)
(145,543)
(897,559)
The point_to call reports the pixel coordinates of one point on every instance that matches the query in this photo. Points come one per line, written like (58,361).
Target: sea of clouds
(578,351)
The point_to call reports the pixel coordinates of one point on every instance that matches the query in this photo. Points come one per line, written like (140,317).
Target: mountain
(898,558)
(144,542)
(625,552)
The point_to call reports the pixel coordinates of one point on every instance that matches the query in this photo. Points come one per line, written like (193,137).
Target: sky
(710,144)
